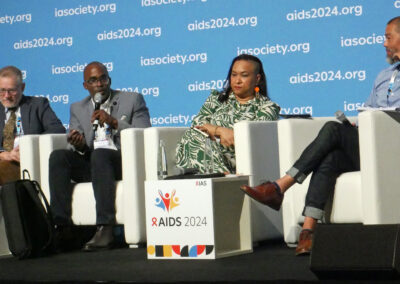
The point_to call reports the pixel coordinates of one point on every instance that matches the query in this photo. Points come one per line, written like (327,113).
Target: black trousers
(334,151)
(102,167)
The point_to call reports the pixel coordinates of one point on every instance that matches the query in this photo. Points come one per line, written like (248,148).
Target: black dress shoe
(103,239)
(267,193)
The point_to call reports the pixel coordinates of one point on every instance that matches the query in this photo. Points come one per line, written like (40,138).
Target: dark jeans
(102,167)
(334,151)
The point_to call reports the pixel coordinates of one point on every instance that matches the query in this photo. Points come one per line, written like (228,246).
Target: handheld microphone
(342,118)
(97,103)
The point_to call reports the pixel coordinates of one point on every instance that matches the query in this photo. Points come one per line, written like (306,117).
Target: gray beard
(392,60)
(389,60)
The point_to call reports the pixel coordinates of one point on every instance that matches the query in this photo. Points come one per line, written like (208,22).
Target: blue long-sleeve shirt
(379,95)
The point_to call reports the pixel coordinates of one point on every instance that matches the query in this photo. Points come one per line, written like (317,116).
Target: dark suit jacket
(128,108)
(37,117)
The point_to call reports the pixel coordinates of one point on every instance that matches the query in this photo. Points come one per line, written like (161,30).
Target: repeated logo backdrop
(319,56)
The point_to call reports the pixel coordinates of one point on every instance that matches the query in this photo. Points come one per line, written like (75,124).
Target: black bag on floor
(28,223)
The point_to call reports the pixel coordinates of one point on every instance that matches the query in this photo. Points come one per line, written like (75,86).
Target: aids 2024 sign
(179,219)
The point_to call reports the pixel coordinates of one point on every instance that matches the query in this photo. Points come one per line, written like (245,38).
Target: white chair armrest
(29,155)
(47,144)
(256,148)
(133,176)
(380,174)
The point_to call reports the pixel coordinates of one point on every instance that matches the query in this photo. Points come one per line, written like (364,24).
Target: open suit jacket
(37,117)
(128,108)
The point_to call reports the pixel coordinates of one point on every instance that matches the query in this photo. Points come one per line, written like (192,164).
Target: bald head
(96,79)
(396,22)
(97,64)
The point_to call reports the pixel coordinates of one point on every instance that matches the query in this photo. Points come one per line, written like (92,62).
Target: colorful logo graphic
(167,201)
(179,251)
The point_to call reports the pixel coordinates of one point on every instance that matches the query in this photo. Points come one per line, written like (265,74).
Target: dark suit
(37,117)
(101,166)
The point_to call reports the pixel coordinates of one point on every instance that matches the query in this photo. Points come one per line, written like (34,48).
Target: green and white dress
(190,149)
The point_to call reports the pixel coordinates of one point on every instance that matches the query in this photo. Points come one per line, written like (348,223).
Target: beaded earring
(257,90)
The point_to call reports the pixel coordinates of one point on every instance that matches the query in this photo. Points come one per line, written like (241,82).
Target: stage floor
(270,262)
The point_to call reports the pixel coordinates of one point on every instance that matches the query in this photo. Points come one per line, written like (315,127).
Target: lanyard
(106,128)
(391,83)
(19,127)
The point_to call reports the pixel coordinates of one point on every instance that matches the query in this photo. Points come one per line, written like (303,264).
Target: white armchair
(369,196)
(256,146)
(129,191)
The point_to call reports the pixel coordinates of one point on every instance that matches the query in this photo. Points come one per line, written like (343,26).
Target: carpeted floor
(270,262)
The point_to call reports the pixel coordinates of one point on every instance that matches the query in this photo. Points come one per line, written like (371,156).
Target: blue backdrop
(319,56)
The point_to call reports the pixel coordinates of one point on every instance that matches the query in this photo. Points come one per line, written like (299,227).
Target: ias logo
(201,183)
(167,201)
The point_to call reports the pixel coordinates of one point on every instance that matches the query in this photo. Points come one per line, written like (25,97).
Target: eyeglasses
(10,91)
(102,79)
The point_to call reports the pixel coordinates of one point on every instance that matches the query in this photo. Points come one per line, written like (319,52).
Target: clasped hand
(103,117)
(76,139)
(13,155)
(224,134)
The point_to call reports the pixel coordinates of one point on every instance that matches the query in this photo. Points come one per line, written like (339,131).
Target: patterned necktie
(8,132)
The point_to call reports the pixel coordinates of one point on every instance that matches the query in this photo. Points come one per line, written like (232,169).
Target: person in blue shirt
(334,151)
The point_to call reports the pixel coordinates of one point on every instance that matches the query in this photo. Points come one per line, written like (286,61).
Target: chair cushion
(84,204)
(347,199)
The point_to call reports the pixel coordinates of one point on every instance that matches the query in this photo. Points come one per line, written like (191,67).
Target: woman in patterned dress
(243,98)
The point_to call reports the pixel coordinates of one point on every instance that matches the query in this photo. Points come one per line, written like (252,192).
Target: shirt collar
(395,66)
(253,101)
(107,102)
(7,110)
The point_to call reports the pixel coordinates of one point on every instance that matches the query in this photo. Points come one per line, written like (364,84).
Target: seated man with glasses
(94,155)
(19,115)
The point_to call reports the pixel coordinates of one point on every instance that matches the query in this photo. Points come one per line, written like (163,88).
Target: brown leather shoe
(305,242)
(266,193)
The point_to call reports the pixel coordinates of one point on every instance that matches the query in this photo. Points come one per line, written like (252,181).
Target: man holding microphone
(94,153)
